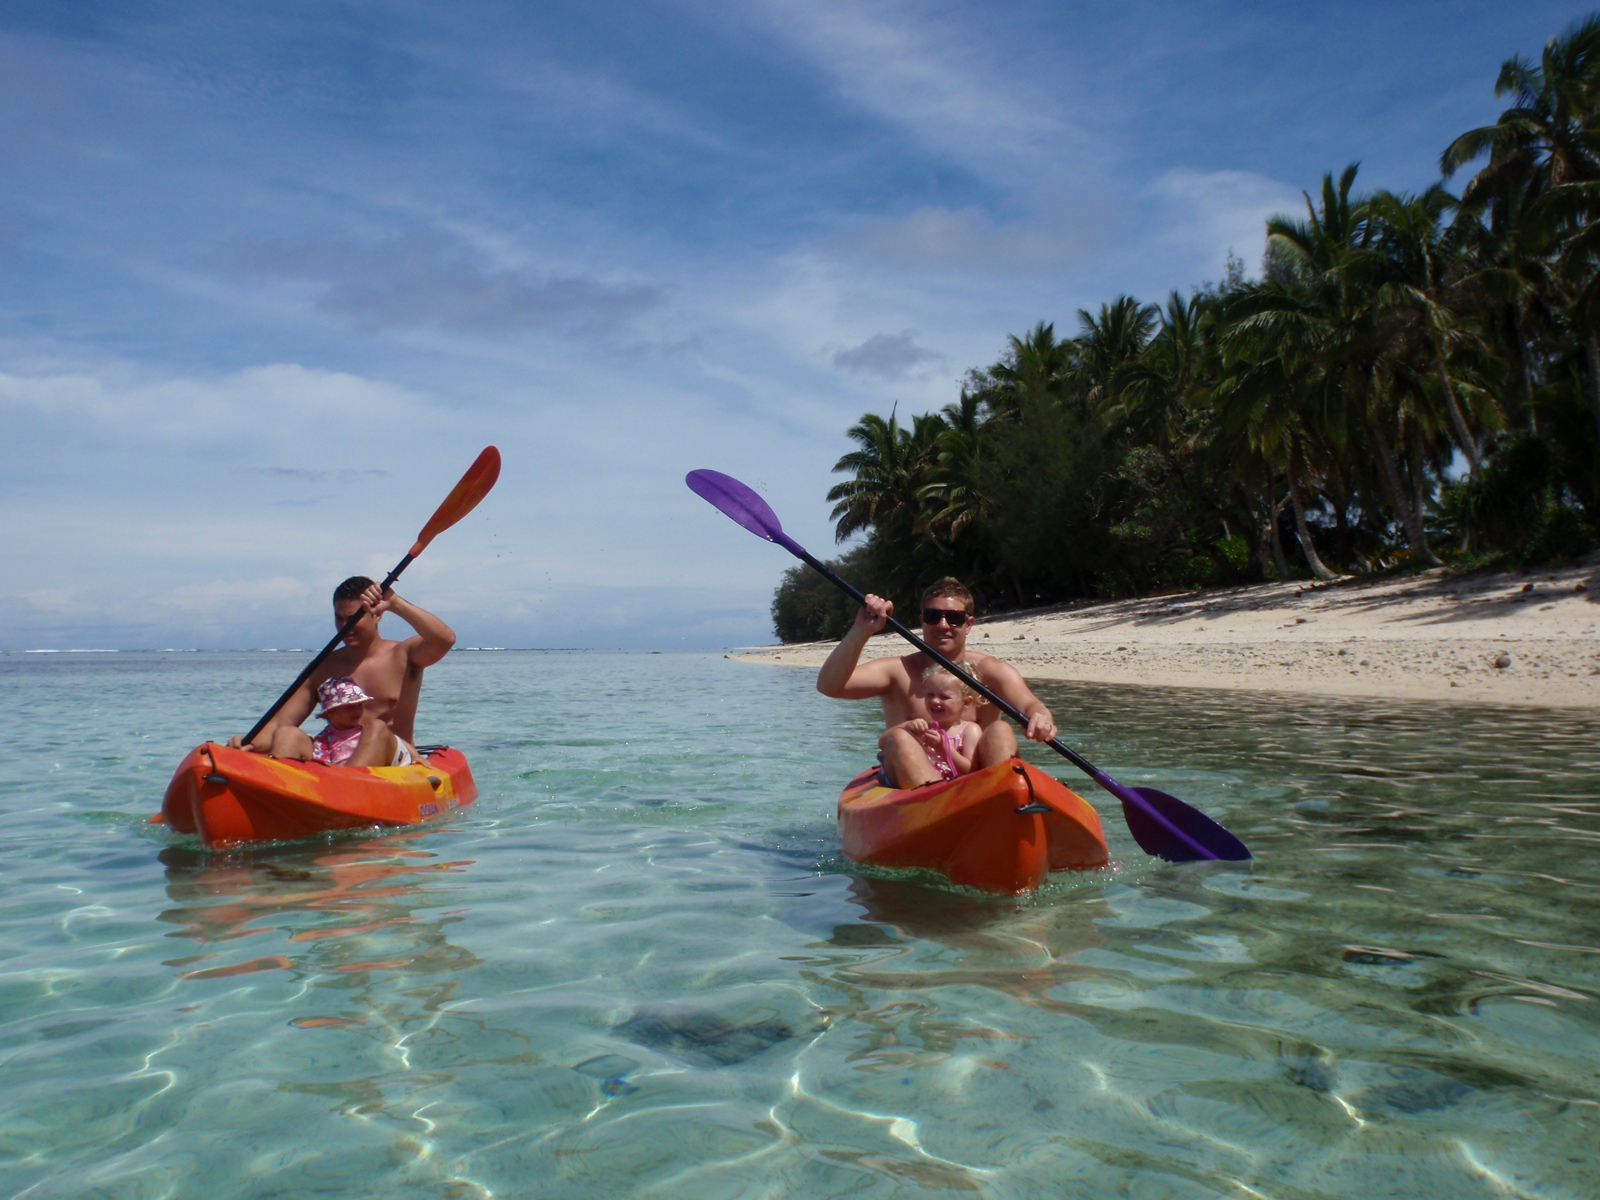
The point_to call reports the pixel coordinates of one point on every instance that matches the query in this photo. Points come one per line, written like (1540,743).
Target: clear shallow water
(638,965)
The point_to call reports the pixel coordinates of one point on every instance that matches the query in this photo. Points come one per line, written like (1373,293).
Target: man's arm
(1006,681)
(843,676)
(436,638)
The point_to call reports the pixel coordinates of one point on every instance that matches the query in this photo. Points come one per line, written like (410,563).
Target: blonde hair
(935,669)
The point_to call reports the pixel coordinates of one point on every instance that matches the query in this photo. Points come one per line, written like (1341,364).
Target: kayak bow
(1001,829)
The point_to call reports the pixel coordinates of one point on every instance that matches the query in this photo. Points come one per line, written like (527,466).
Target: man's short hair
(352,588)
(949,587)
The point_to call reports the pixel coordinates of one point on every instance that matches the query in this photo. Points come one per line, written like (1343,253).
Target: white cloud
(969,240)
(1202,215)
(887,356)
(423,277)
(929,78)
(238,597)
(283,402)
(58,600)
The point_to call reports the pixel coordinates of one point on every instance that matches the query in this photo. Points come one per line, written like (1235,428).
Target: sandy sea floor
(1518,639)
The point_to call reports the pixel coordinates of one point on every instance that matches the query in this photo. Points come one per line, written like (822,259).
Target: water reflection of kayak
(232,796)
(1001,829)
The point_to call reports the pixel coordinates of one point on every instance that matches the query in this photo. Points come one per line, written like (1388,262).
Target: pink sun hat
(338,692)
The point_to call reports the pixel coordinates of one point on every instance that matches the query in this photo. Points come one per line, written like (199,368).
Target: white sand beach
(1514,639)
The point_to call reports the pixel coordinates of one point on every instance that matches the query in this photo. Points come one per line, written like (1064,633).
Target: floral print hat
(338,692)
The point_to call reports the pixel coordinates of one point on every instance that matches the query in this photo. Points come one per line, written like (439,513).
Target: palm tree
(1506,282)
(1153,394)
(1550,135)
(1111,343)
(954,496)
(1318,309)
(1034,367)
(1547,142)
(889,469)
(1263,402)
(1423,289)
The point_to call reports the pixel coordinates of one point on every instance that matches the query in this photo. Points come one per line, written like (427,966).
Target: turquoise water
(638,966)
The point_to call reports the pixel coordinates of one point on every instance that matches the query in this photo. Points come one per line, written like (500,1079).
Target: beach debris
(1502,661)
(1527,587)
(1580,587)
(1299,620)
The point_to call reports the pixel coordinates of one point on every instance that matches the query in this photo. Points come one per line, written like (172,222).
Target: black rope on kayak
(1034,804)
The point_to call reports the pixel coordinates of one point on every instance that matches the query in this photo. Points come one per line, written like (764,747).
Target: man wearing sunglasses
(947,620)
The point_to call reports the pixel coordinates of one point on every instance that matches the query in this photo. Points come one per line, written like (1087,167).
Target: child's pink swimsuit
(944,760)
(335,746)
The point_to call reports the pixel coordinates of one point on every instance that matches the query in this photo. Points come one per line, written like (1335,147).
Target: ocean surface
(639,965)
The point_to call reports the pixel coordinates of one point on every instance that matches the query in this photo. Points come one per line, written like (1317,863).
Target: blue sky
(273,274)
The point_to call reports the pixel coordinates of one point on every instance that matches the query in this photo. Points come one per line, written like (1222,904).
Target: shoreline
(1424,637)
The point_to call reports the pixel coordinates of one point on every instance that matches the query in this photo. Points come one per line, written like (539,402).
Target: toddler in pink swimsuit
(341,699)
(950,742)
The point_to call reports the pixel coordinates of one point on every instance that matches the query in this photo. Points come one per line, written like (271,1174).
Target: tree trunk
(1523,414)
(1418,473)
(1410,518)
(1304,530)
(1272,535)
(1465,440)
(1263,555)
(1591,348)
(1341,519)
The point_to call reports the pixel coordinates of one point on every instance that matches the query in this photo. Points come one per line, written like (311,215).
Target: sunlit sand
(1424,637)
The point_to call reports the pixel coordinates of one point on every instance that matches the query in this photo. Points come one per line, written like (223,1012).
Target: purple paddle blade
(739,502)
(1165,826)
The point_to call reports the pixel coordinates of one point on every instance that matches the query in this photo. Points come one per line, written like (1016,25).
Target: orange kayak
(1001,829)
(231,796)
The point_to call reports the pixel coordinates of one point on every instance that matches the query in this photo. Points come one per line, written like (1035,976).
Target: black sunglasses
(932,616)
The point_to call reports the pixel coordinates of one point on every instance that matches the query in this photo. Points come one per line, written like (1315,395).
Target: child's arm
(964,746)
(916,727)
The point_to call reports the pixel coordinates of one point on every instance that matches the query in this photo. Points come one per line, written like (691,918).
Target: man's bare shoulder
(988,667)
(884,670)
(979,659)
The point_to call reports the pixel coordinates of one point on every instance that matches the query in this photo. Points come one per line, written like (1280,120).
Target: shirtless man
(947,619)
(389,672)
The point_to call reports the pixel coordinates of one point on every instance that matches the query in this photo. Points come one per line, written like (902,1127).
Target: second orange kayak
(1001,829)
(232,796)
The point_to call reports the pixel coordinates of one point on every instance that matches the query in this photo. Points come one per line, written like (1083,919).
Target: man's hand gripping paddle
(463,498)
(1163,825)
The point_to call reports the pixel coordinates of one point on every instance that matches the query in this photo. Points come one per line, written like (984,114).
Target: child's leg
(377,745)
(291,742)
(997,744)
(906,761)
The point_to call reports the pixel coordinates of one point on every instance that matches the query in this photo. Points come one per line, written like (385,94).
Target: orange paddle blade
(463,498)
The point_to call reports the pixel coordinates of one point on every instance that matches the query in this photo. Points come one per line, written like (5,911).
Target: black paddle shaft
(344,631)
(1004,706)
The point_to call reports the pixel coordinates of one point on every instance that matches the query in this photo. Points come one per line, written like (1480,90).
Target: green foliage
(1237,551)
(1498,507)
(1323,409)
(807,608)
(1562,534)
